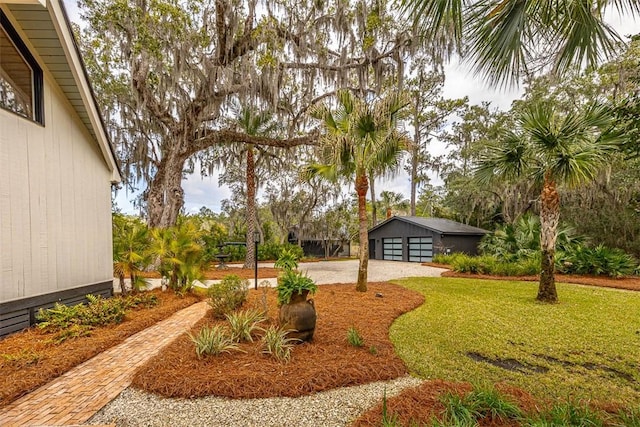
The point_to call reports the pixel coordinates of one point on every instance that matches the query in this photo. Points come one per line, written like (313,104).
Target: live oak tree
(166,72)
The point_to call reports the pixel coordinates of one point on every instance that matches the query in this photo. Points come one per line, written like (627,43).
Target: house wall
(55,206)
(456,243)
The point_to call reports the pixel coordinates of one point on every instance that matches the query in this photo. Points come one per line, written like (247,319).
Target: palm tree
(391,200)
(253,123)
(505,39)
(554,149)
(360,137)
(130,241)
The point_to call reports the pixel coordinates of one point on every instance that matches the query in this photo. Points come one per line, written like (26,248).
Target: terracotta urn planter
(299,316)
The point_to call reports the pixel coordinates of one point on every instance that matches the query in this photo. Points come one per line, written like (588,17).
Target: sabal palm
(359,137)
(130,240)
(554,149)
(505,39)
(253,123)
(391,200)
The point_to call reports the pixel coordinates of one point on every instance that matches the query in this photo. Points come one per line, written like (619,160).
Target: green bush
(273,251)
(228,295)
(213,341)
(97,312)
(597,261)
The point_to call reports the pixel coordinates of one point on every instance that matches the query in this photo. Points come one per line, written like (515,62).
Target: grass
(585,347)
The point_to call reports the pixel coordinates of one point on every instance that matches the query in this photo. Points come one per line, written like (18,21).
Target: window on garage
(420,249)
(392,249)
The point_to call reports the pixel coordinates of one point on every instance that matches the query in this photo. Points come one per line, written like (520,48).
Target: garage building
(418,239)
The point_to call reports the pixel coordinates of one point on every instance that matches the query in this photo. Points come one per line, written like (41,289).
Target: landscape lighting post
(256,240)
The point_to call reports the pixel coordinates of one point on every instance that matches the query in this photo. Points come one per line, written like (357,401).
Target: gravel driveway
(331,408)
(325,272)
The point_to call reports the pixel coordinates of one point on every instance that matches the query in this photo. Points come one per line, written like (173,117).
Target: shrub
(213,341)
(228,295)
(243,324)
(599,260)
(276,344)
(288,260)
(354,338)
(272,251)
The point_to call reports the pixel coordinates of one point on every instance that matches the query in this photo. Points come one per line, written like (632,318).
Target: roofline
(404,219)
(70,45)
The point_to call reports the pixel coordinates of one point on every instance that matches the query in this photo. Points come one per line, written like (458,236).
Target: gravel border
(338,407)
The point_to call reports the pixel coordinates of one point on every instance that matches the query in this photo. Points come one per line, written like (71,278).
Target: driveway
(325,272)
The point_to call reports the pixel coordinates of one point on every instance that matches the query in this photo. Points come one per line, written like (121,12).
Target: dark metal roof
(440,225)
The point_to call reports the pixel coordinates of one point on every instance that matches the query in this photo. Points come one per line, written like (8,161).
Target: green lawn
(588,346)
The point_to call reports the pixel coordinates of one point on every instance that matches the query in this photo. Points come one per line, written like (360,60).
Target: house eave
(47,28)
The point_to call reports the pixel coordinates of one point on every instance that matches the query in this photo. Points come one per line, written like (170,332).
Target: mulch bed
(30,358)
(325,363)
(419,405)
(215,274)
(629,283)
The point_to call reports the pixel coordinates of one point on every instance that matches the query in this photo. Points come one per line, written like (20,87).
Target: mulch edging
(29,359)
(325,363)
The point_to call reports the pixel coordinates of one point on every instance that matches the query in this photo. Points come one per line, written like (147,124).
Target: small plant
(629,418)
(293,282)
(387,419)
(567,414)
(141,300)
(228,295)
(457,411)
(264,285)
(488,402)
(243,324)
(276,343)
(354,338)
(373,350)
(288,260)
(25,357)
(212,341)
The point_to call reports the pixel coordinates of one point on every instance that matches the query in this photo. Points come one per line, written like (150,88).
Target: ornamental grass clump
(213,341)
(244,324)
(276,344)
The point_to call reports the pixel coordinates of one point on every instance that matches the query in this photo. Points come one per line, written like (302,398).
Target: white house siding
(55,203)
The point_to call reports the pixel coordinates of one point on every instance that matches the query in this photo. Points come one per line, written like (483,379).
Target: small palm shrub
(599,260)
(276,344)
(354,338)
(244,324)
(228,295)
(213,341)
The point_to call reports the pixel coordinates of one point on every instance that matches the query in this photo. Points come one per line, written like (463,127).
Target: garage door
(420,249)
(392,249)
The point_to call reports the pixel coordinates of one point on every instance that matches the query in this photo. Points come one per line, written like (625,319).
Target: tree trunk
(250,259)
(374,210)
(361,188)
(389,212)
(549,219)
(414,163)
(166,197)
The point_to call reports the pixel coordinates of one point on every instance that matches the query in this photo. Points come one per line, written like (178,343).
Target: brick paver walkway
(77,395)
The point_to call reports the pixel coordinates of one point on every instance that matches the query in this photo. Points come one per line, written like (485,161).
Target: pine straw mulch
(628,283)
(419,405)
(325,363)
(30,358)
(215,274)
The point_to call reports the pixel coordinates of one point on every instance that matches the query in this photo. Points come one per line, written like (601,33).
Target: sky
(459,82)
